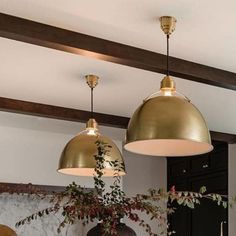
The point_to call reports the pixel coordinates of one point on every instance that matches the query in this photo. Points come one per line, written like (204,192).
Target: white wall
(232,188)
(144,172)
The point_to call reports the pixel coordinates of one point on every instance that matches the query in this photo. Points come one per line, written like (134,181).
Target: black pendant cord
(92,103)
(167,53)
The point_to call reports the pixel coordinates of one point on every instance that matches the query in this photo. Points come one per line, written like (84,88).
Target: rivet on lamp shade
(168,126)
(77,157)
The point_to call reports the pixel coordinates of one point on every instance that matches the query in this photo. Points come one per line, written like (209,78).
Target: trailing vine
(109,206)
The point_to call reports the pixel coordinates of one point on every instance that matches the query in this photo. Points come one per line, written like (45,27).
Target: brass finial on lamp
(167,123)
(77,157)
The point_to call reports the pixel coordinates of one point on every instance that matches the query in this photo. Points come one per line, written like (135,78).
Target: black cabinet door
(191,173)
(206,218)
(180,220)
(179,168)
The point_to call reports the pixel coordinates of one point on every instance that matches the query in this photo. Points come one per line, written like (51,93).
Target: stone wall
(16,207)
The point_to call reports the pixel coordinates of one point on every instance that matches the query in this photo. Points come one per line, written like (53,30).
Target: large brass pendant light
(167,123)
(77,157)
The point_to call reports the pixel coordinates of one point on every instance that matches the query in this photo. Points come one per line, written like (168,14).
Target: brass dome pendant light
(167,123)
(77,157)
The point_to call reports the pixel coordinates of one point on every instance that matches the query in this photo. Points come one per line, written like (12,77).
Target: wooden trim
(29,188)
(62,113)
(224,137)
(68,41)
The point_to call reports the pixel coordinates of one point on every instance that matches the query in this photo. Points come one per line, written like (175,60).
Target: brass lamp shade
(168,126)
(78,159)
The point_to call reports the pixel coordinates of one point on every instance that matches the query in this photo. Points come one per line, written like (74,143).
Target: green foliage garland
(77,203)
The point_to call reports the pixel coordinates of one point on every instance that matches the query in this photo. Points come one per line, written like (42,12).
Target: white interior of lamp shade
(168,147)
(87,172)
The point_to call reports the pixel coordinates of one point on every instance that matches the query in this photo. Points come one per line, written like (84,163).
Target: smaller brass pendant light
(167,123)
(77,157)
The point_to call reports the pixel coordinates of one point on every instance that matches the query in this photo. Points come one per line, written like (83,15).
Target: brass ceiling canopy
(92,80)
(168,24)
(77,157)
(167,123)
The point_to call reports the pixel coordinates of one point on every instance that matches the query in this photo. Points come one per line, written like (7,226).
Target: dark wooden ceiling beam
(61,39)
(62,113)
(224,137)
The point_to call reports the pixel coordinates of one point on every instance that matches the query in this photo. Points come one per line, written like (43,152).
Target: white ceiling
(204,34)
(205,30)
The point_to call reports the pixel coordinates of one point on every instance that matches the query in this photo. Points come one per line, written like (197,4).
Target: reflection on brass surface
(6,231)
(165,120)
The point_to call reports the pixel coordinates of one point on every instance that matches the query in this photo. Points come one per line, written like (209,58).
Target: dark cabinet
(178,168)
(206,219)
(191,173)
(180,220)
(200,164)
